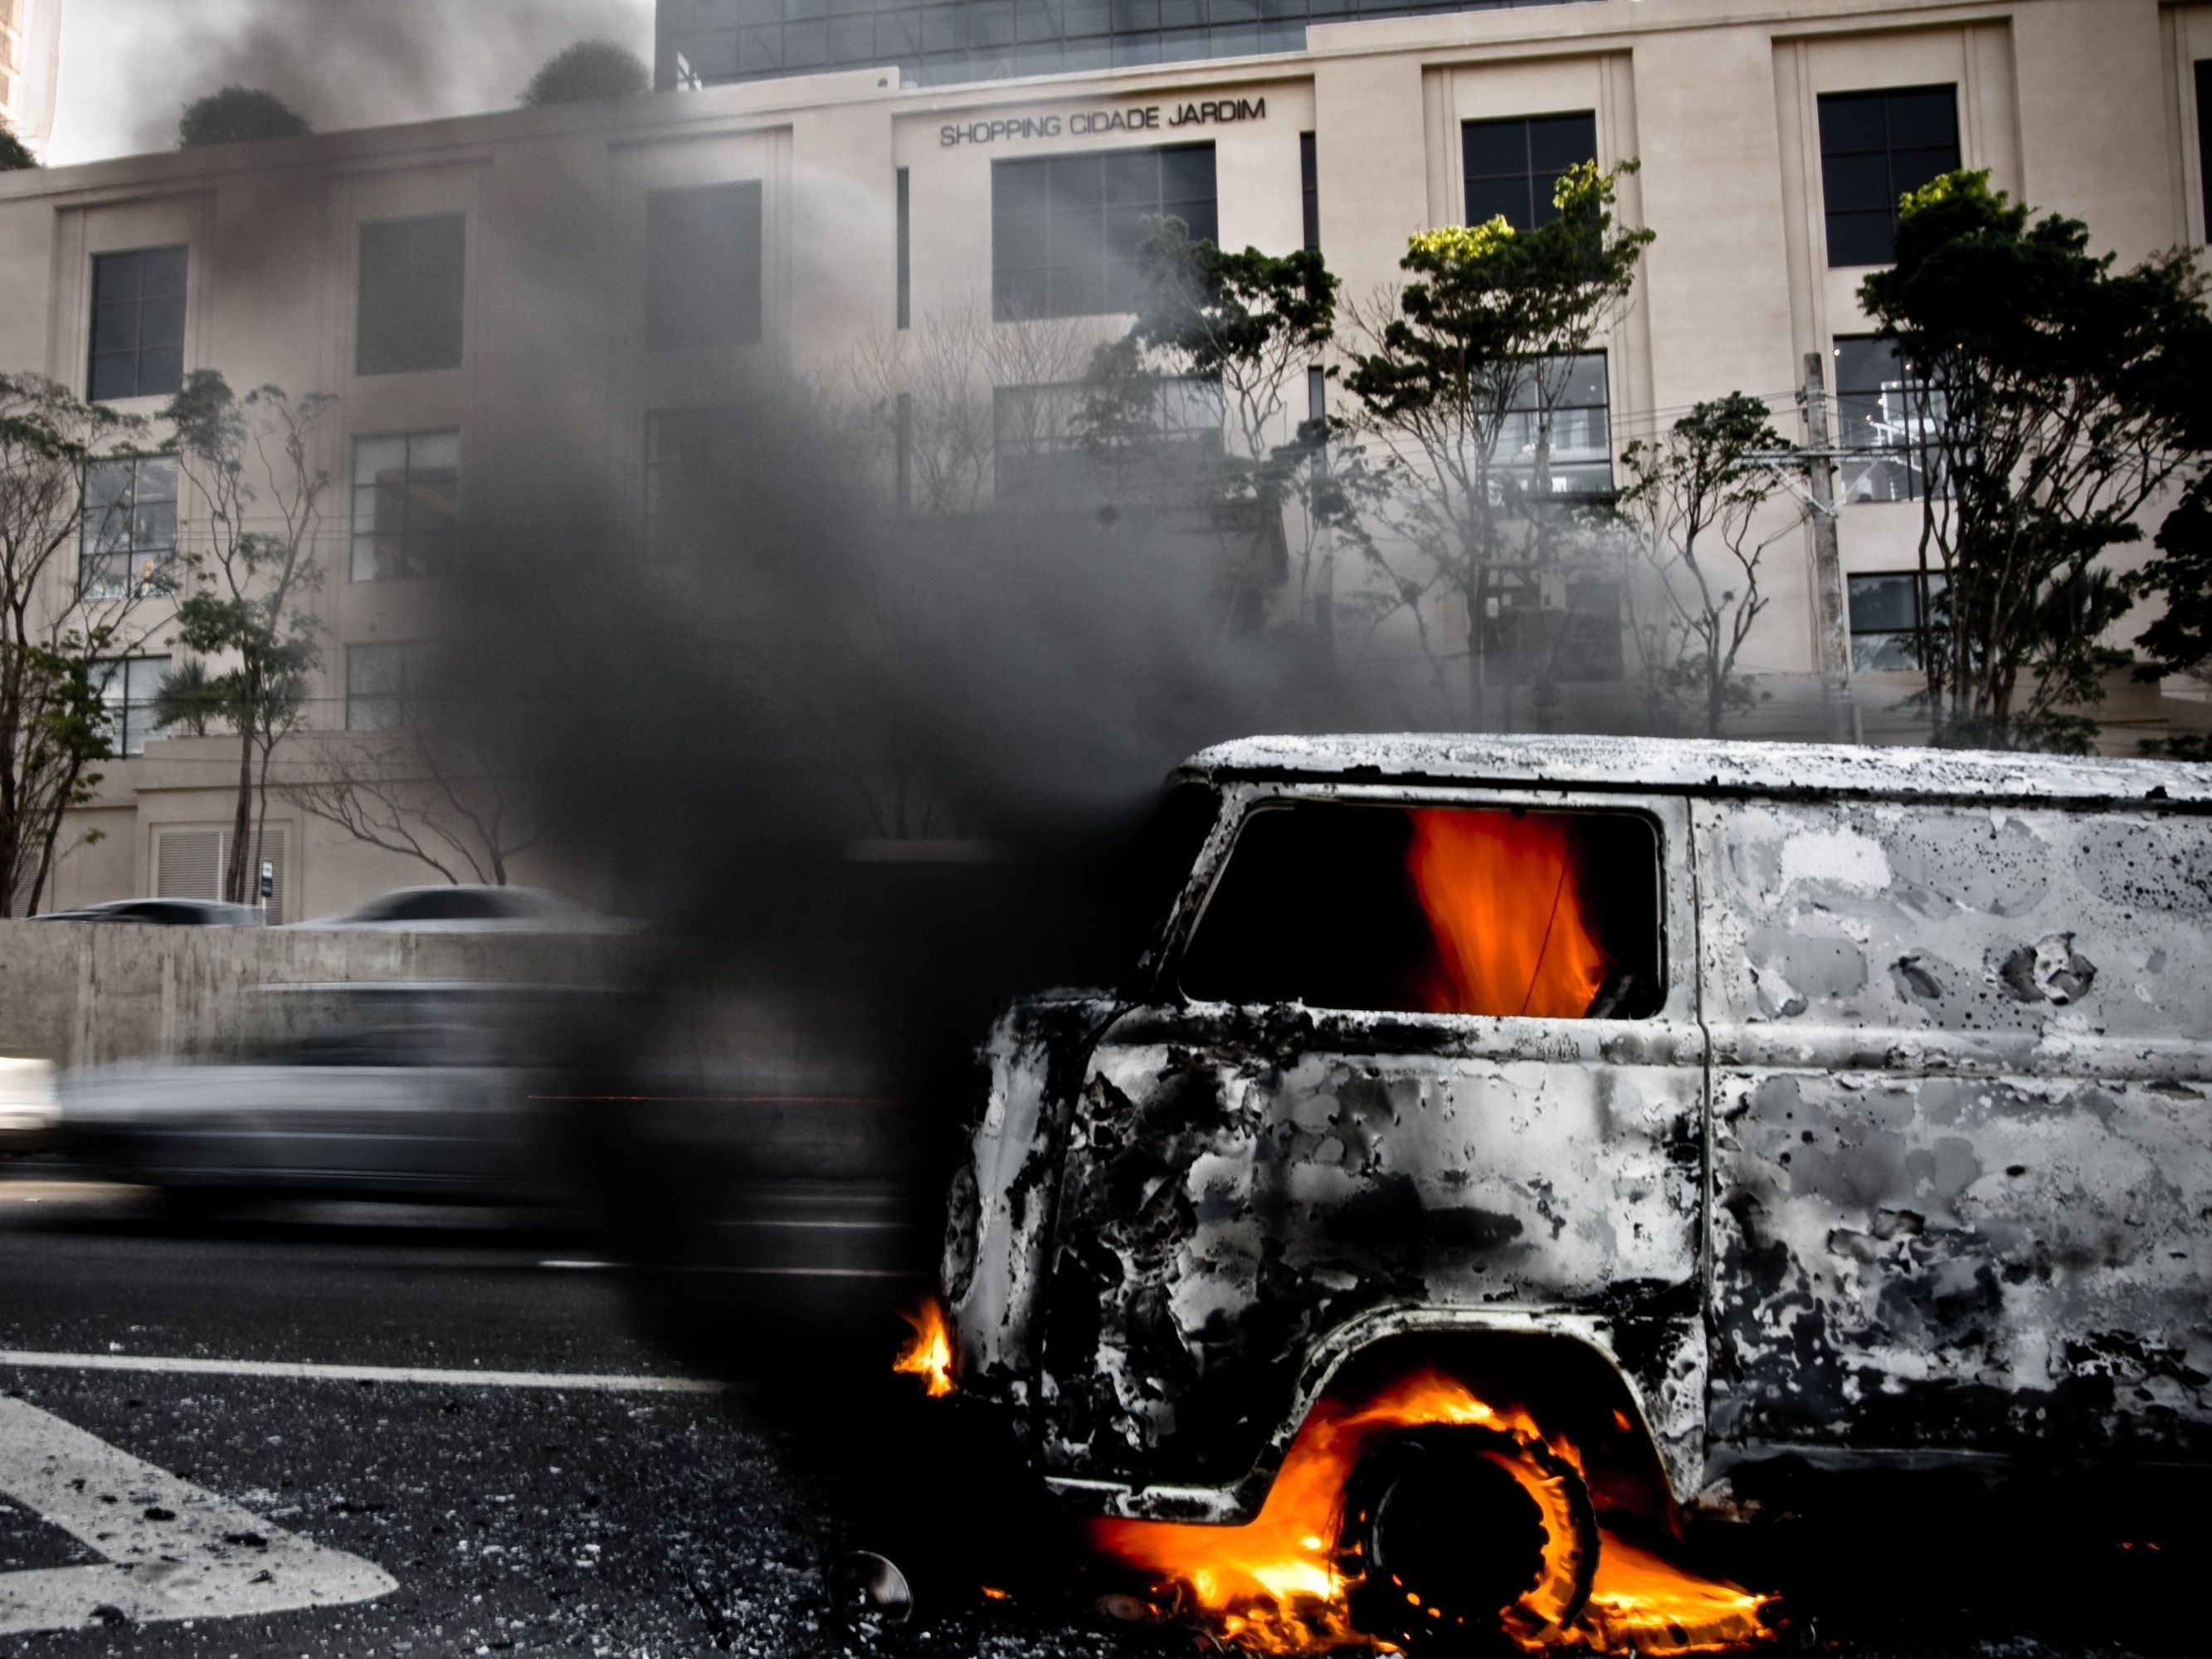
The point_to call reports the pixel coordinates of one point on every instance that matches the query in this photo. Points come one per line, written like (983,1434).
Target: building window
(1513,167)
(694,458)
(905,251)
(1561,403)
(1068,438)
(129,538)
(388,684)
(1874,148)
(130,686)
(1065,228)
(703,267)
(1887,612)
(138,324)
(1309,188)
(412,279)
(1435,910)
(405,495)
(2205,138)
(1885,417)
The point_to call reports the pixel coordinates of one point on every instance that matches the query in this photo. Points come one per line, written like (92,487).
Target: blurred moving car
(468,907)
(27,1112)
(163,913)
(425,1090)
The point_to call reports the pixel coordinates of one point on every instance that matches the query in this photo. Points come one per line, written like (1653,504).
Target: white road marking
(578,1266)
(132,1362)
(173,1550)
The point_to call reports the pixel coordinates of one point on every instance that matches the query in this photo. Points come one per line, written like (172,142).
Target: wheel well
(1571,1388)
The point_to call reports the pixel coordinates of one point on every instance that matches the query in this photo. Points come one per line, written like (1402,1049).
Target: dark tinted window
(391,685)
(412,278)
(406,489)
(1874,148)
(447,904)
(703,267)
(1513,167)
(138,324)
(1887,610)
(2205,138)
(1435,910)
(1310,187)
(904,296)
(1065,228)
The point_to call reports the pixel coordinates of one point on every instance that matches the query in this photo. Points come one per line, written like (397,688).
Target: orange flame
(928,1352)
(1277,1584)
(1499,890)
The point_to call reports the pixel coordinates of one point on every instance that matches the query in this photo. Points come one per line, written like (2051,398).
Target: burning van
(1507,1149)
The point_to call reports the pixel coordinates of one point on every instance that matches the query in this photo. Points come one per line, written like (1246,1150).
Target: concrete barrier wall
(82,993)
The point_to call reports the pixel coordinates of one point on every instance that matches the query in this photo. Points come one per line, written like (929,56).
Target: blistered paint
(1962,1177)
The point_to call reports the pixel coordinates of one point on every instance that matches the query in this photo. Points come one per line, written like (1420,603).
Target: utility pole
(1832,629)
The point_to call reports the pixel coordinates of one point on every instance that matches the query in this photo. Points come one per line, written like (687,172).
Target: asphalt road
(516,1518)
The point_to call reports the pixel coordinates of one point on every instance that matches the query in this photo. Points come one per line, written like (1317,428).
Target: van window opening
(1441,911)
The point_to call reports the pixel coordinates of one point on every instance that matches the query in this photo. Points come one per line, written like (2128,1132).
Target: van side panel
(1962,1130)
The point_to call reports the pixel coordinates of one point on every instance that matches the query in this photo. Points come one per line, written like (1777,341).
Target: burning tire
(1465,1538)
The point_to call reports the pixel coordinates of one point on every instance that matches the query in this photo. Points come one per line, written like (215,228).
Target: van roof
(1703,767)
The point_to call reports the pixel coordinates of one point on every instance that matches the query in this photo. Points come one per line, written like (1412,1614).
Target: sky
(130,66)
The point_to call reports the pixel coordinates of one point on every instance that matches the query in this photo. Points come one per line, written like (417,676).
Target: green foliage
(1696,495)
(1488,303)
(14,154)
(1484,335)
(1247,324)
(1219,311)
(250,463)
(191,699)
(238,115)
(2053,399)
(2180,641)
(586,70)
(52,631)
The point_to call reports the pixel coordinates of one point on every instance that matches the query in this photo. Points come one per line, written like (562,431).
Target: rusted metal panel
(1962,1140)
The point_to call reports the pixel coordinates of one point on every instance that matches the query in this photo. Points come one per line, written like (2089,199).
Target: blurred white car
(469,908)
(28,1112)
(432,1090)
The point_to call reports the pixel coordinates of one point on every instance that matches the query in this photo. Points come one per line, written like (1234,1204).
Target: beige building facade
(475,294)
(30,66)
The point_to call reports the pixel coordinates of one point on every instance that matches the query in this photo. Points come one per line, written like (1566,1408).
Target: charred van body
(1734,1105)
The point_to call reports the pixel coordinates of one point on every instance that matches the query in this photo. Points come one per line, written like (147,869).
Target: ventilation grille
(189,863)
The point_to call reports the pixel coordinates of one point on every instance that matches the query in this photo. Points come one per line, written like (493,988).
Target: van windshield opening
(1442,911)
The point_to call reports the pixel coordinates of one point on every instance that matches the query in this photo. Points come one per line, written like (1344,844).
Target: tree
(14,154)
(1698,498)
(929,402)
(1460,379)
(54,626)
(249,462)
(238,115)
(426,787)
(586,70)
(189,698)
(2051,400)
(1246,326)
